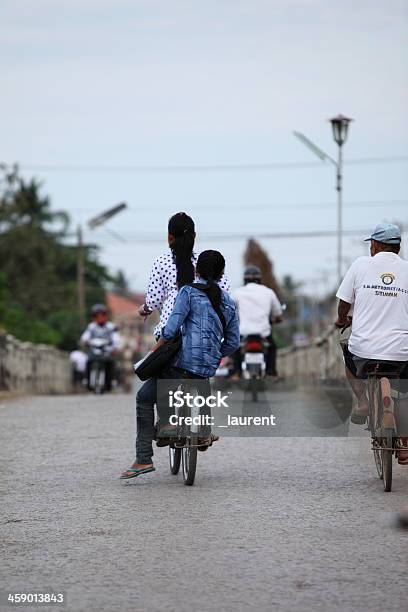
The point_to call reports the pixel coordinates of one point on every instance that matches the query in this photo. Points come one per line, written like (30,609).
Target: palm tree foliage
(38,266)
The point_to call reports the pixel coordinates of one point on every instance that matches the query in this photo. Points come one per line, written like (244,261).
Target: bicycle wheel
(189,455)
(372,427)
(387,459)
(372,386)
(175,459)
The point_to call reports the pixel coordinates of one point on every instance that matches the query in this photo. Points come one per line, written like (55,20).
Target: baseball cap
(386,233)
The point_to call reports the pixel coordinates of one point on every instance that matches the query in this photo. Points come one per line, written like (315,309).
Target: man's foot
(359,413)
(137,469)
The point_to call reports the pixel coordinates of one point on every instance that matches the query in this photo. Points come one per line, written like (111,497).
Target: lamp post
(92,224)
(340,125)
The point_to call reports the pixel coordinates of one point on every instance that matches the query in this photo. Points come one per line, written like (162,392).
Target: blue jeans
(145,400)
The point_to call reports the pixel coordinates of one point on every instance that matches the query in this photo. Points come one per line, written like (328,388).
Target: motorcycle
(253,362)
(98,359)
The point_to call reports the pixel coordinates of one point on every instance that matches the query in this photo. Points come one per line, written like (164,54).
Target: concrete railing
(39,368)
(33,368)
(320,360)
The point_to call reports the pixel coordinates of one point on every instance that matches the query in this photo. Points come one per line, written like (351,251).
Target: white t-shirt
(256,304)
(377,287)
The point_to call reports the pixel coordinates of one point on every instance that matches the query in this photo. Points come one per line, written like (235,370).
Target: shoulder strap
(204,289)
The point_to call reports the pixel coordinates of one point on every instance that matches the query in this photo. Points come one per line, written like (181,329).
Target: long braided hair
(182,228)
(210,267)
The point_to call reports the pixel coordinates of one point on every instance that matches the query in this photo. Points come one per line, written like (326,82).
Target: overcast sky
(147,82)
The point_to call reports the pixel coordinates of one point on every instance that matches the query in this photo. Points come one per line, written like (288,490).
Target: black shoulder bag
(154,363)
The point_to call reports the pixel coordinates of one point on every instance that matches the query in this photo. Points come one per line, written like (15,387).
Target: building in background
(137,334)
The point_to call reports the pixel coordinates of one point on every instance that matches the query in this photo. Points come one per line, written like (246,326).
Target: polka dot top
(162,289)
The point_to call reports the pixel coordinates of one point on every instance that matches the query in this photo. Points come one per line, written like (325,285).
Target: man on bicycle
(376,288)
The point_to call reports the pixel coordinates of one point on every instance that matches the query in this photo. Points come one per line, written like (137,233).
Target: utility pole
(92,223)
(340,125)
(80,278)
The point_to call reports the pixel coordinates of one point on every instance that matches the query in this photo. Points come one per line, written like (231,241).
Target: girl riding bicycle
(171,271)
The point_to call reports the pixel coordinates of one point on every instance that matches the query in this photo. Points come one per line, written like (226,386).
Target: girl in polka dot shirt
(172,270)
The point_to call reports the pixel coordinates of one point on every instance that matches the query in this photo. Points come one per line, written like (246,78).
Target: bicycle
(183,447)
(385,441)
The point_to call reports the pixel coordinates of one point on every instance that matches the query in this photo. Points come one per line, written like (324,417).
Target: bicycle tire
(387,459)
(174,459)
(372,388)
(189,462)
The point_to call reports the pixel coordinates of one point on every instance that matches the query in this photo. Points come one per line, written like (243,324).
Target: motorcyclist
(101,327)
(258,308)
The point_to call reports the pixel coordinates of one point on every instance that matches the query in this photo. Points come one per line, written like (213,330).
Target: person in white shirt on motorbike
(102,328)
(258,308)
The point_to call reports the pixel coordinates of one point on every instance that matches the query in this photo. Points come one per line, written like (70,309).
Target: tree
(257,256)
(38,268)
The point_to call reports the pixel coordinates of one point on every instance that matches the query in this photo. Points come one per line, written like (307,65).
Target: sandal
(133,472)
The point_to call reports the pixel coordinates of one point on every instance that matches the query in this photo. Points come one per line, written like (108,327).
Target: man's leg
(88,374)
(358,386)
(108,374)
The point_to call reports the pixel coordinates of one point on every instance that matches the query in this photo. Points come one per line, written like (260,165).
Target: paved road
(279,524)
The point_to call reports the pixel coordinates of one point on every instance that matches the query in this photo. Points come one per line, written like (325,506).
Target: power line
(183,168)
(143,238)
(281,205)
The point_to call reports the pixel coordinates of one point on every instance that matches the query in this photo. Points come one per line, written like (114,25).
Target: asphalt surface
(272,523)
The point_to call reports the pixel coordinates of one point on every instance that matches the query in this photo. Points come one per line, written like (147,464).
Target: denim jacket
(203,339)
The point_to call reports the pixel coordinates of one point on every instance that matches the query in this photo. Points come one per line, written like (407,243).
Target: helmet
(252,274)
(97,308)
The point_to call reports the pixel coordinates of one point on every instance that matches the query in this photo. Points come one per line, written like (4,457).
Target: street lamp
(340,125)
(92,224)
